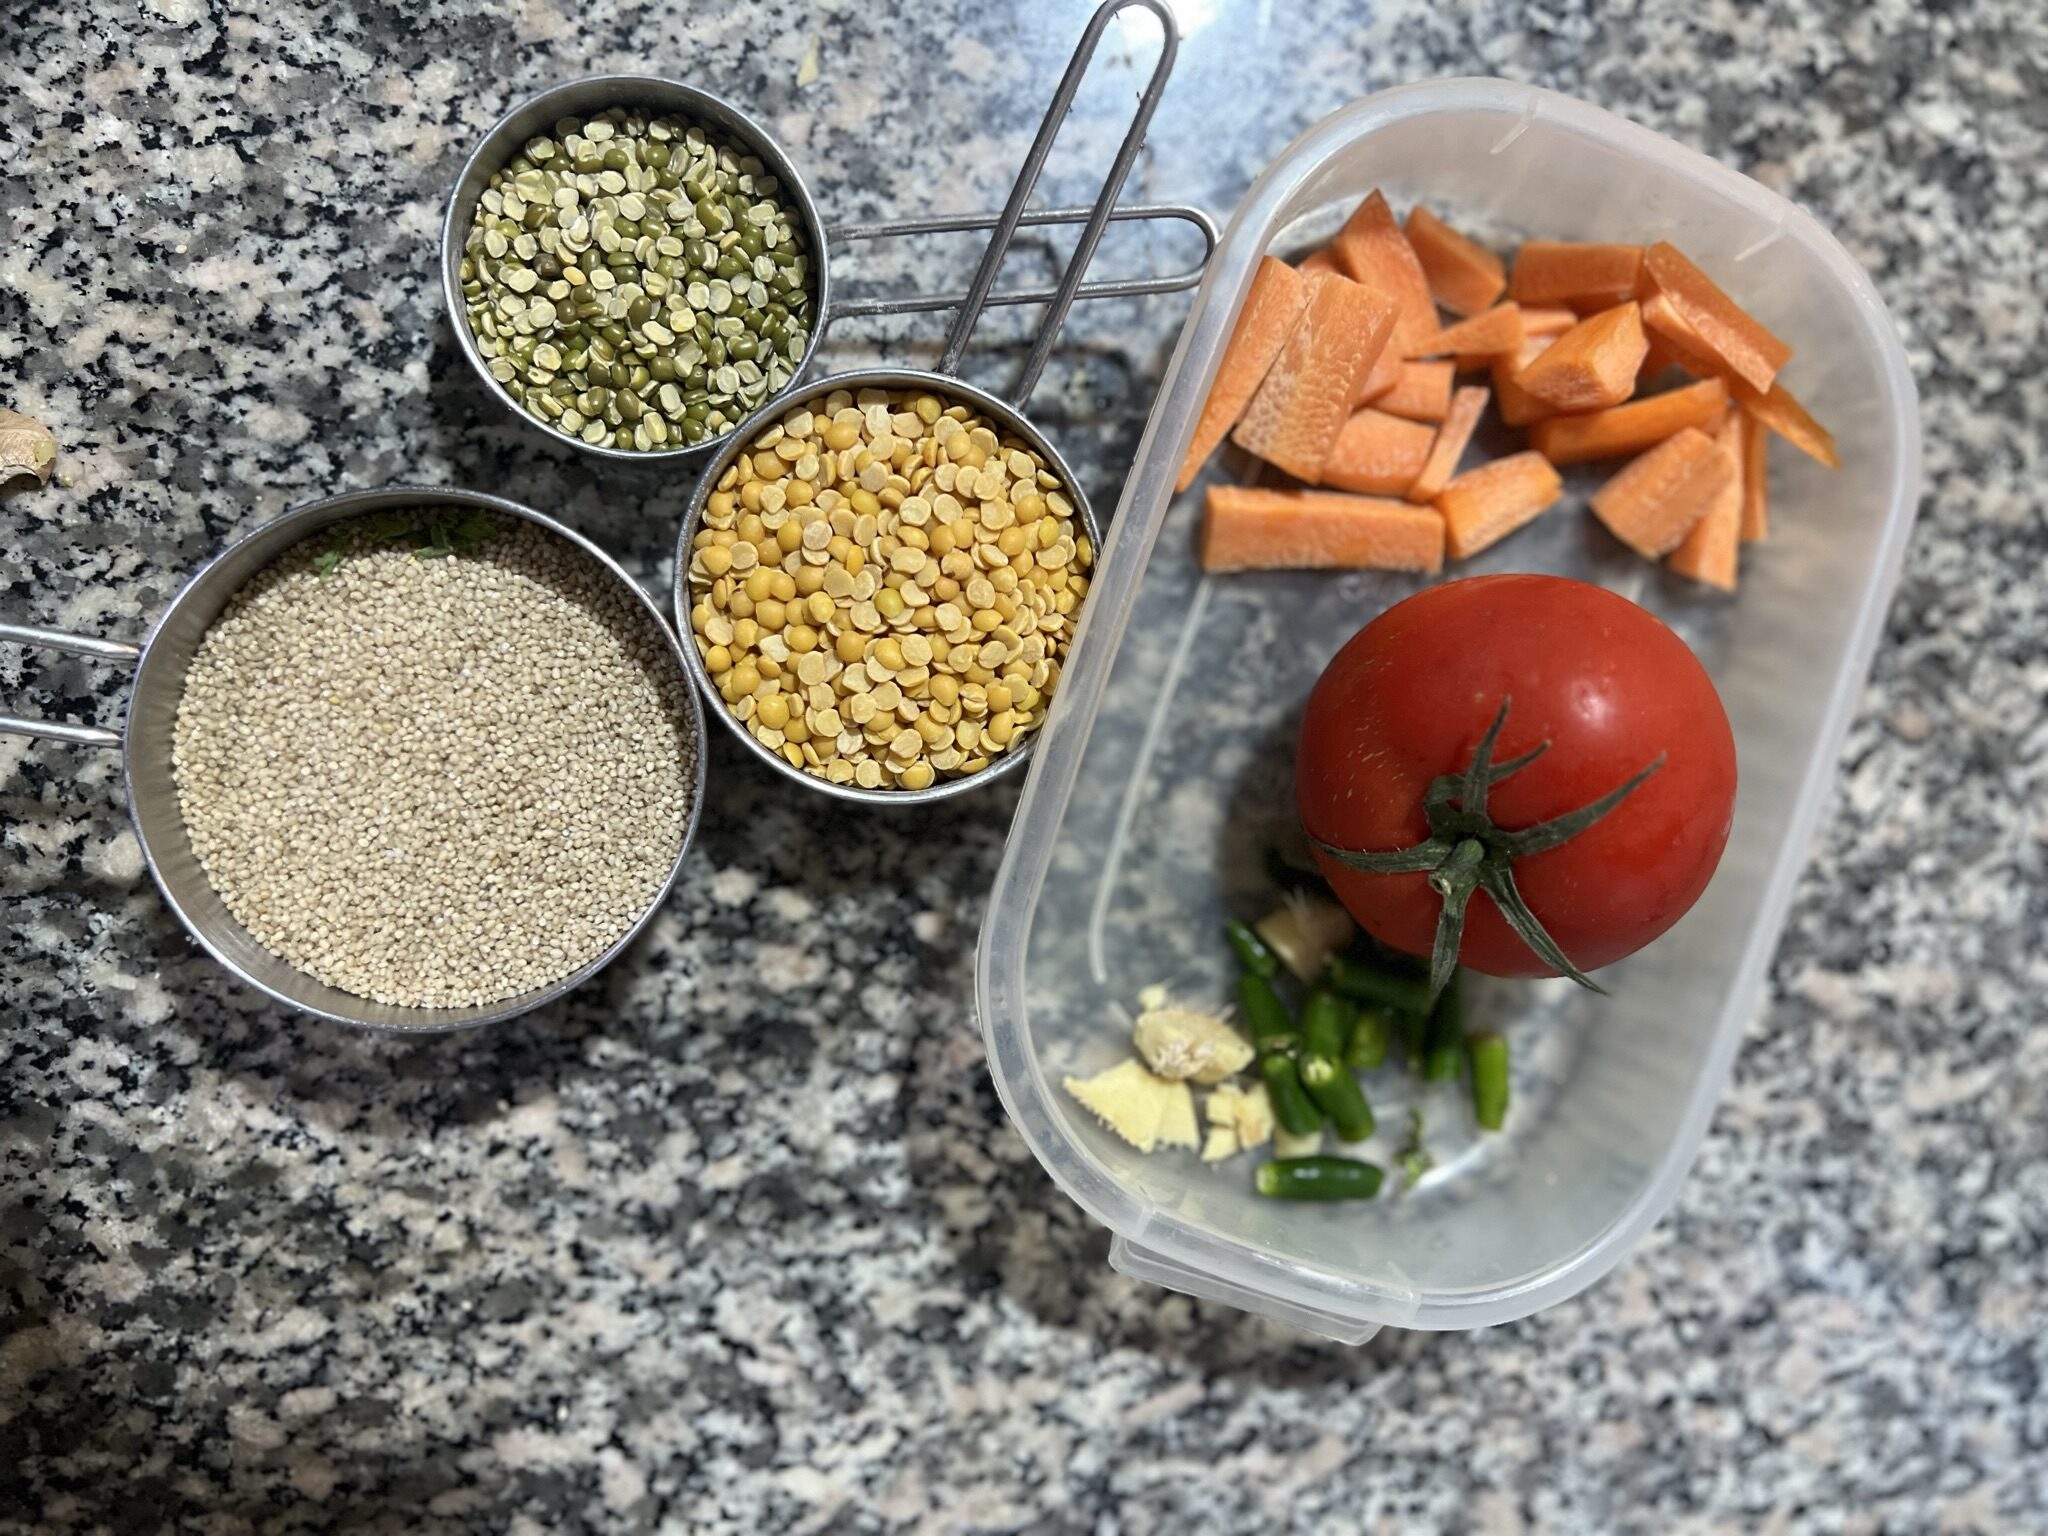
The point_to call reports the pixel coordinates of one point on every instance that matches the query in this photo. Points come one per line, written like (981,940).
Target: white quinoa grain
(435,782)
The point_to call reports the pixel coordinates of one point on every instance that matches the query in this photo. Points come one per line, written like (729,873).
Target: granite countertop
(739,1239)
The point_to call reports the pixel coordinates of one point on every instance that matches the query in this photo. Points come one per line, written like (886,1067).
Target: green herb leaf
(1414,1162)
(379,526)
(476,527)
(325,562)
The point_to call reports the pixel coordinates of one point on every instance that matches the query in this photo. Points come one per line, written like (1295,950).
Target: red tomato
(1606,684)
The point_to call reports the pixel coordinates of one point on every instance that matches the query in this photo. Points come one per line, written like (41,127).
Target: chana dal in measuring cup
(883,586)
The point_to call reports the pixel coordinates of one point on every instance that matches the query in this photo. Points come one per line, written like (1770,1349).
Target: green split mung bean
(635,283)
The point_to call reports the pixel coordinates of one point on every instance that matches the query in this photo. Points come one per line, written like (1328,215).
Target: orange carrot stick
(1756,477)
(1485,505)
(1298,410)
(1628,429)
(1464,276)
(1777,407)
(1277,297)
(1250,529)
(1318,261)
(1745,348)
(1378,454)
(1386,373)
(1781,411)
(1467,406)
(1653,502)
(1669,332)
(1497,330)
(1422,394)
(1575,273)
(1517,406)
(1591,366)
(1373,251)
(1707,553)
(1543,320)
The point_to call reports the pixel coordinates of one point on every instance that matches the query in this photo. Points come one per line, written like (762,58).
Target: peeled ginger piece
(1305,933)
(1180,1044)
(1247,1112)
(1145,1110)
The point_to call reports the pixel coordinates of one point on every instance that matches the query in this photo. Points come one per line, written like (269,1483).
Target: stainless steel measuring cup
(1007,415)
(658,94)
(144,740)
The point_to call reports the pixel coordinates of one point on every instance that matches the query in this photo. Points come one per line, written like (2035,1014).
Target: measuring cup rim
(331,509)
(709,109)
(954,390)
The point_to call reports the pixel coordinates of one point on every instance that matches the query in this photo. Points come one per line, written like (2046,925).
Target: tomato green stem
(1467,852)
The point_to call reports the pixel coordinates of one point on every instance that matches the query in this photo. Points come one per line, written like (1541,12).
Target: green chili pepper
(1292,1106)
(1443,1045)
(1369,983)
(1371,1034)
(1265,1016)
(1318,1178)
(1252,951)
(1337,1094)
(1488,1053)
(1325,1023)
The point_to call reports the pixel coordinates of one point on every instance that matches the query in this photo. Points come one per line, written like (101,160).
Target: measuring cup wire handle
(1027,178)
(1105,203)
(1103,288)
(77,645)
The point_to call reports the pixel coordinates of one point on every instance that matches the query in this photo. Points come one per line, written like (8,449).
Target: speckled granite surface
(738,1240)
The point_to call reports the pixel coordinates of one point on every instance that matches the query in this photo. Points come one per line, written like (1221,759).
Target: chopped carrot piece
(1467,406)
(1575,273)
(1591,366)
(1756,477)
(1378,454)
(1324,260)
(1652,503)
(1542,320)
(1517,406)
(1656,356)
(1670,334)
(1386,373)
(1296,414)
(1373,251)
(1265,530)
(1497,330)
(1628,429)
(1781,411)
(1778,407)
(1484,505)
(1745,348)
(1422,394)
(1464,276)
(1278,295)
(1707,553)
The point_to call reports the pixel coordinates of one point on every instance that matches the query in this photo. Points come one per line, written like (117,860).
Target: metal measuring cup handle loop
(76,645)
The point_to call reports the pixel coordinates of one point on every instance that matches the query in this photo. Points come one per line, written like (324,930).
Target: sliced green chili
(1318,1178)
(1488,1053)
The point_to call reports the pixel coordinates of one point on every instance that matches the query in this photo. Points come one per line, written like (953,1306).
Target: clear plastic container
(1165,771)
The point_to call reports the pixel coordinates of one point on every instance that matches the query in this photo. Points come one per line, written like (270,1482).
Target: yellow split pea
(884,589)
